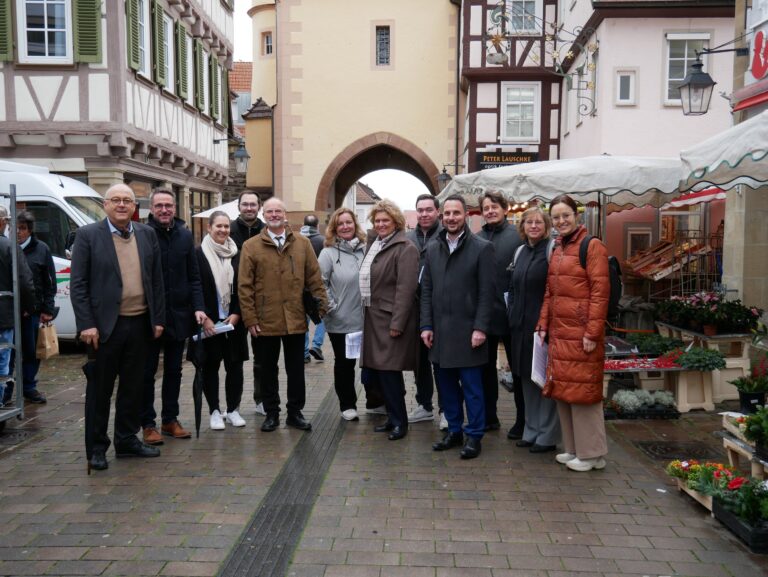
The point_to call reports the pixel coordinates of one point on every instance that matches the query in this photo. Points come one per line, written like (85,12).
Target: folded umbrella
(196,355)
(89,370)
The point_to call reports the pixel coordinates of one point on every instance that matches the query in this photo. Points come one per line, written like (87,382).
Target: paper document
(539,364)
(219,327)
(353,341)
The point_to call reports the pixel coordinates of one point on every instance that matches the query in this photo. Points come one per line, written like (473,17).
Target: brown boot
(152,436)
(175,430)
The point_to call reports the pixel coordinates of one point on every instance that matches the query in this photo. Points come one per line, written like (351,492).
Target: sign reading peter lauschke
(497,159)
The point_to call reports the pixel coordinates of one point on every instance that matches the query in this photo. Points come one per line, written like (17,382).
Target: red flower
(736,483)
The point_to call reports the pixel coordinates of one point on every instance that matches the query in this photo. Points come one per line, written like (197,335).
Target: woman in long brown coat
(573,318)
(388,281)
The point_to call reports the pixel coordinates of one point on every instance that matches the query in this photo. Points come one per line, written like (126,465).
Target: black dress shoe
(297,421)
(271,423)
(449,441)
(317,353)
(523,444)
(495,426)
(137,449)
(397,433)
(542,448)
(98,461)
(471,448)
(385,428)
(514,434)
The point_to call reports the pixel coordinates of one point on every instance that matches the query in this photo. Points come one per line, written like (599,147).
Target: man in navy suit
(117,295)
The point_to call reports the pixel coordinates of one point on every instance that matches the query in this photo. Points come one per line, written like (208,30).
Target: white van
(61,205)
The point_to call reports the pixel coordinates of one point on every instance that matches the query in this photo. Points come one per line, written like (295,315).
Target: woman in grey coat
(340,270)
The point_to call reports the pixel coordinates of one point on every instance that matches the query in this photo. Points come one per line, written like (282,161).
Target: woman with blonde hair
(573,318)
(340,262)
(388,283)
(528,281)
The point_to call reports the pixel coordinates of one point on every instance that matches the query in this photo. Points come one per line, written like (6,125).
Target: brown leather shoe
(152,436)
(175,430)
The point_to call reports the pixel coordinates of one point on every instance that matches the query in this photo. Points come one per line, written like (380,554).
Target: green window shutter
(132,32)
(199,88)
(6,32)
(158,44)
(182,82)
(215,98)
(87,30)
(225,103)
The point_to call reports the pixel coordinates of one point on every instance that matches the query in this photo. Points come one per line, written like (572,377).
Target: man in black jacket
(309,230)
(183,308)
(246,226)
(40,262)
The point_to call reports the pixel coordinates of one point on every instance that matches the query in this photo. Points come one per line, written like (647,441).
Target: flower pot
(701,498)
(709,330)
(748,402)
(756,538)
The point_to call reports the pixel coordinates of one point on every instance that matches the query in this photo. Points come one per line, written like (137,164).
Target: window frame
(191,69)
(669,37)
(374,49)
(21,27)
(538,17)
(206,82)
(267,45)
(169,29)
(632,74)
(145,38)
(535,138)
(377,48)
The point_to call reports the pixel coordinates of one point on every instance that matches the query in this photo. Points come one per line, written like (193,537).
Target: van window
(52,225)
(92,208)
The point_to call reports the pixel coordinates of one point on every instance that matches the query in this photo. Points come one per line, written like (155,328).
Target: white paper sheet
(219,327)
(539,364)
(353,342)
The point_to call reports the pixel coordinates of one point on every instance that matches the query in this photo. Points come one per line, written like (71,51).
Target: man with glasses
(246,226)
(183,309)
(117,295)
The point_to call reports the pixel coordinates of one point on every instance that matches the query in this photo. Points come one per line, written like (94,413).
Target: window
(521,111)
(52,226)
(383,46)
(205,85)
(143,25)
(240,106)
(190,69)
(638,239)
(523,16)
(681,53)
(625,88)
(266,43)
(45,31)
(170,82)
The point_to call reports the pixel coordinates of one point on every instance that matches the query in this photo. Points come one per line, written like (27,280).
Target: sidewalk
(384,508)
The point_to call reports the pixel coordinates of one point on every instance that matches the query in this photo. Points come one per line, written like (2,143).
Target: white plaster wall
(98,97)
(69,105)
(486,127)
(25,107)
(487,95)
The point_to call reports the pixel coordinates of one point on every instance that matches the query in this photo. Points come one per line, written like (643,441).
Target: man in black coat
(40,262)
(183,311)
(118,299)
(457,291)
(246,226)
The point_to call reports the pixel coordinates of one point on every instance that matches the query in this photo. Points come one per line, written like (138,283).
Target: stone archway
(376,151)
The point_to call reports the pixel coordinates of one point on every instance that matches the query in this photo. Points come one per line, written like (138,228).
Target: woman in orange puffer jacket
(573,317)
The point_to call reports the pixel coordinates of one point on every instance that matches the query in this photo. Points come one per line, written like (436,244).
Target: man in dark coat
(40,262)
(457,291)
(244,227)
(183,310)
(26,289)
(117,295)
(317,240)
(428,218)
(505,239)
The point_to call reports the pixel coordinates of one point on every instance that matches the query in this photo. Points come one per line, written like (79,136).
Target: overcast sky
(396,185)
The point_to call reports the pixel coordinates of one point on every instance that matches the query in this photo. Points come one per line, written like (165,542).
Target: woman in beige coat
(388,283)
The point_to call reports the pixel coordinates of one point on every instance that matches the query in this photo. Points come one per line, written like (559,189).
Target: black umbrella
(196,355)
(89,370)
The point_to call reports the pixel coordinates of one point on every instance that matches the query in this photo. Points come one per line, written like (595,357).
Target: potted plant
(706,311)
(700,480)
(652,345)
(674,311)
(697,359)
(739,318)
(742,506)
(756,430)
(753,386)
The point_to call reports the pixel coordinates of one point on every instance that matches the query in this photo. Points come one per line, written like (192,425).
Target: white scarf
(365,268)
(219,258)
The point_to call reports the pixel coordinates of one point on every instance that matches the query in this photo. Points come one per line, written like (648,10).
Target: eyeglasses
(164,206)
(123,201)
(564,216)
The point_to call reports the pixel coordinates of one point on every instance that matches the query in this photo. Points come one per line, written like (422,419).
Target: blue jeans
(30,363)
(317,340)
(452,385)
(6,336)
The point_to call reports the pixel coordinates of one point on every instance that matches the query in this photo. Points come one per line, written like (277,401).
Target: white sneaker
(235,419)
(563,458)
(420,414)
(260,409)
(382,410)
(586,464)
(350,415)
(443,422)
(217,422)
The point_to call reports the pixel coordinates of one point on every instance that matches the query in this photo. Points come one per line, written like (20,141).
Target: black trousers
(393,390)
(258,396)
(343,372)
(293,358)
(425,379)
(123,356)
(173,355)
(218,348)
(491,381)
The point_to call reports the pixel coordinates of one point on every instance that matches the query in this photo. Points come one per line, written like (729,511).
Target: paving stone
(135,568)
(78,568)
(189,569)
(490,561)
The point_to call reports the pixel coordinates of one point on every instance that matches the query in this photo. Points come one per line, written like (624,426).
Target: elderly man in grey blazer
(117,295)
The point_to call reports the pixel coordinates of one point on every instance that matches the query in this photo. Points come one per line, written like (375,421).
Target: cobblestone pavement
(384,508)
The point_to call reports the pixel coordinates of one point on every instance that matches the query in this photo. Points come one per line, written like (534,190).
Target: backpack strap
(550,249)
(583,248)
(518,250)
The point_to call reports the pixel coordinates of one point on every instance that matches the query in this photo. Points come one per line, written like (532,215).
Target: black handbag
(311,306)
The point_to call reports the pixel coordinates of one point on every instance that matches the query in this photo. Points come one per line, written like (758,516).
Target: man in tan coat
(275,267)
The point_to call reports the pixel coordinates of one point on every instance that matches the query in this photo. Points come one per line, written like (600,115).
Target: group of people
(437,301)
(37,289)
